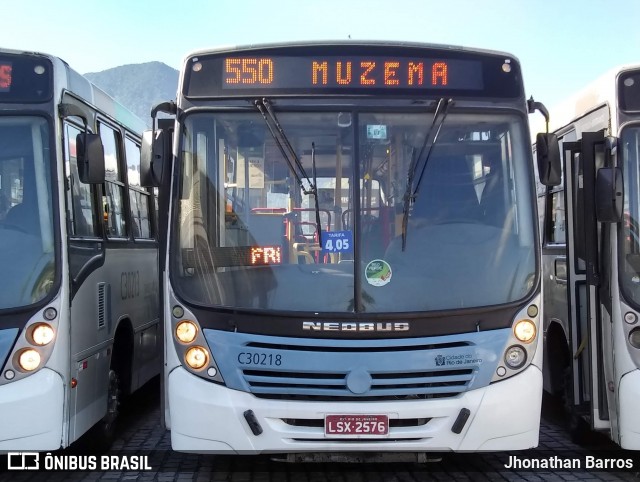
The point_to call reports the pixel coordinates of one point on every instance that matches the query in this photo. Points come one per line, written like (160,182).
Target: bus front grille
(340,370)
(335,386)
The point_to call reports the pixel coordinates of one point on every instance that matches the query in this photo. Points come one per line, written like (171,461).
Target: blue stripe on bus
(282,367)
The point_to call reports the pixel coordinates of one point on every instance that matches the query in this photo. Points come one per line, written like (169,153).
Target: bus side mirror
(548,157)
(90,157)
(152,158)
(609,195)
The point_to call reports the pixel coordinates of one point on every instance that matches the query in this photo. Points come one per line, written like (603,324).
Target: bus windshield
(247,234)
(26,228)
(630,252)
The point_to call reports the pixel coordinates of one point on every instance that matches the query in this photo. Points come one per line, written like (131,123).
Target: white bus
(352,254)
(79,325)
(591,249)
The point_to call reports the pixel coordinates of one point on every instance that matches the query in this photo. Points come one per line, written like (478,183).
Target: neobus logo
(355,326)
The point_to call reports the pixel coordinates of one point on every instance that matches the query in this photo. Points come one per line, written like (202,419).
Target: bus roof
(599,92)
(338,43)
(77,84)
(293,66)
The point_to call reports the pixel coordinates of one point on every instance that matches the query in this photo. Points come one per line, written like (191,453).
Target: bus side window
(555,215)
(556,226)
(138,196)
(115,216)
(80,200)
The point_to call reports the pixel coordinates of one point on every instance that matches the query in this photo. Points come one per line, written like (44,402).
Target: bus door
(589,357)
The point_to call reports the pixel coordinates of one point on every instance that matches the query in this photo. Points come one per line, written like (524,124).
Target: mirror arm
(168,107)
(611,144)
(70,110)
(534,106)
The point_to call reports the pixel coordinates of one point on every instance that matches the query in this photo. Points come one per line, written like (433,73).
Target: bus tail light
(196,357)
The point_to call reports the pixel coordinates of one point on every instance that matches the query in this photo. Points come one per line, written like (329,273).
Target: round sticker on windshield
(378,272)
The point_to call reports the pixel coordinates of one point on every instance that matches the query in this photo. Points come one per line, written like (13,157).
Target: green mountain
(138,86)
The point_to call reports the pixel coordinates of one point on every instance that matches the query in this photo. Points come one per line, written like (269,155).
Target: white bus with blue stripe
(352,260)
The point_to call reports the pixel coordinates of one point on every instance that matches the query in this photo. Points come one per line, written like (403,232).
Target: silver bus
(79,326)
(590,249)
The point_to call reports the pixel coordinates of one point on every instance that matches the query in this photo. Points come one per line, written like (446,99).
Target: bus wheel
(113,402)
(103,433)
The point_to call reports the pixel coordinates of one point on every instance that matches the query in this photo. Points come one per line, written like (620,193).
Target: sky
(561,44)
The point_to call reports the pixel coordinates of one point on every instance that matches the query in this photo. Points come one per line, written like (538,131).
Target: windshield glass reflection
(248,234)
(26,231)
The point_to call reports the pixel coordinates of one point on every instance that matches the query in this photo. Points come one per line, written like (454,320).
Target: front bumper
(208,418)
(31,412)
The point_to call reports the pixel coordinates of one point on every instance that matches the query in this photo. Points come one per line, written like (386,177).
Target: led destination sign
(229,256)
(352,71)
(25,78)
(5,76)
(349,72)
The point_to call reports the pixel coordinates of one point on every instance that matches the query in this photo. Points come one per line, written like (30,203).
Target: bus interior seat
(23,216)
(448,193)
(374,243)
(492,201)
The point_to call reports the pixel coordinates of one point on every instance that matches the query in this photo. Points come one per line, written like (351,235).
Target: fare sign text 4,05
(356,425)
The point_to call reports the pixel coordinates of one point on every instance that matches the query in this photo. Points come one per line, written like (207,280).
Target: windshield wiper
(292,159)
(411,192)
(315,193)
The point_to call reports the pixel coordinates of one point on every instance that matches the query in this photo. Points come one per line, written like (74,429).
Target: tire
(114,394)
(102,435)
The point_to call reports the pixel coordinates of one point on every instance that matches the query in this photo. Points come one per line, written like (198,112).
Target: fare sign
(356,426)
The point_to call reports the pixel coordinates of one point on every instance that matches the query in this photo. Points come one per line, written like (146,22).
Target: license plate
(356,425)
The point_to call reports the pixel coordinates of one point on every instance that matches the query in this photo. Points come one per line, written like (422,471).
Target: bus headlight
(186,331)
(42,334)
(515,357)
(196,357)
(29,360)
(634,338)
(525,331)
